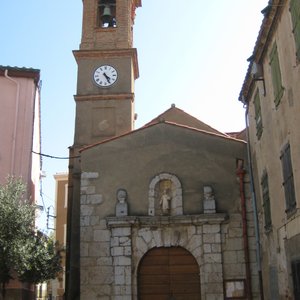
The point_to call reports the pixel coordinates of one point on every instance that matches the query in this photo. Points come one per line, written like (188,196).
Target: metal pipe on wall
(254,206)
(241,174)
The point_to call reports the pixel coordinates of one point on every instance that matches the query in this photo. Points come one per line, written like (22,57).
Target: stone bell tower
(107,69)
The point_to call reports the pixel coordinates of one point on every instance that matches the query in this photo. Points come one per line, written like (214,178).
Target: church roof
(161,122)
(240,135)
(180,117)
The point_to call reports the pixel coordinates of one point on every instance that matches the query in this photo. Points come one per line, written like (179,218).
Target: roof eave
(21,72)
(265,34)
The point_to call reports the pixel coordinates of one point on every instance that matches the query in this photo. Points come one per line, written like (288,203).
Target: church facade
(161,212)
(180,192)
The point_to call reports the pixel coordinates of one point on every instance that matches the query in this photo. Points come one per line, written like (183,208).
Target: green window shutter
(258,117)
(295,13)
(288,178)
(276,75)
(266,200)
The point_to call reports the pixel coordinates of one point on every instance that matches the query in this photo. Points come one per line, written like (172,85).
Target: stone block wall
(96,261)
(202,240)
(112,247)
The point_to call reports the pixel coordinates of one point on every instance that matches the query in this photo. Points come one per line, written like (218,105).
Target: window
(288,179)
(296,278)
(276,75)
(258,119)
(66,195)
(295,13)
(107,13)
(266,200)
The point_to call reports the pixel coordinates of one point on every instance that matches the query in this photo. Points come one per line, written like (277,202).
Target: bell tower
(107,68)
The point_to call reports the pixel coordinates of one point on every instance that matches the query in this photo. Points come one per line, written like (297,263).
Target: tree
(25,254)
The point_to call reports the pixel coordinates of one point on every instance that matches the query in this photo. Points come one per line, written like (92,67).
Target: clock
(105,76)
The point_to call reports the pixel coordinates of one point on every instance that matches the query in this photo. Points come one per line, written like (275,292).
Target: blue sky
(192,53)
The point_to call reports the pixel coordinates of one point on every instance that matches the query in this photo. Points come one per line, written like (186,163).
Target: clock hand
(107,77)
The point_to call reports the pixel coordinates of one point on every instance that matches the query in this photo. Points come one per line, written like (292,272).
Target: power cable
(55,157)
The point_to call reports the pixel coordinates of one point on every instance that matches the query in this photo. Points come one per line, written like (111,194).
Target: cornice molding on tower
(129,96)
(138,3)
(105,53)
(113,53)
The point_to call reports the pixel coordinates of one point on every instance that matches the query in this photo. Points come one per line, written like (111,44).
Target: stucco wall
(132,161)
(19,130)
(280,126)
(112,246)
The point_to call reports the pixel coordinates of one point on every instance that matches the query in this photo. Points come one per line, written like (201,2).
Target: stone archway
(168,273)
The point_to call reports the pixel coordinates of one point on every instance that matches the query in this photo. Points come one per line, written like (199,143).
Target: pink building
(20,135)
(20,125)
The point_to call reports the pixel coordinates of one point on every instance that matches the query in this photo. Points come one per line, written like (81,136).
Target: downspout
(255,212)
(12,166)
(241,174)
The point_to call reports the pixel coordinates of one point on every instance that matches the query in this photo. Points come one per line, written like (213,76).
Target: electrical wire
(55,157)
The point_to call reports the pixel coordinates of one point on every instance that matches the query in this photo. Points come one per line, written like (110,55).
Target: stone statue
(164,202)
(122,206)
(209,202)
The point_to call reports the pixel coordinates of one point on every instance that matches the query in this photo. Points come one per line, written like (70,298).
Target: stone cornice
(129,96)
(138,3)
(109,53)
(155,221)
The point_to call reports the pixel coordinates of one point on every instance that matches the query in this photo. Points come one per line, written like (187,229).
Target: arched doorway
(168,274)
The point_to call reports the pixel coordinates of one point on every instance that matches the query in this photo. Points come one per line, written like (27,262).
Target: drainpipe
(255,212)
(241,174)
(12,166)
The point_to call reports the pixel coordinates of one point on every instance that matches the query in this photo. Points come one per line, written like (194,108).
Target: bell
(106,16)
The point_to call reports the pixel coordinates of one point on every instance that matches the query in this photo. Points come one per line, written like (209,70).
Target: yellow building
(61,203)
(271,93)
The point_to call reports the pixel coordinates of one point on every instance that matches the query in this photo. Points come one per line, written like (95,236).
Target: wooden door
(168,274)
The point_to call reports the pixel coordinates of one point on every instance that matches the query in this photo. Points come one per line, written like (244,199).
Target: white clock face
(105,76)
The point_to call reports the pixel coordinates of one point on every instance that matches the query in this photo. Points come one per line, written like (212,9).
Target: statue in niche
(209,202)
(165,201)
(122,206)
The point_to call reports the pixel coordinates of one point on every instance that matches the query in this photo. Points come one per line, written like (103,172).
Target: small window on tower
(107,13)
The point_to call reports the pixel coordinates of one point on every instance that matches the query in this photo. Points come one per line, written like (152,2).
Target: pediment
(162,132)
(180,117)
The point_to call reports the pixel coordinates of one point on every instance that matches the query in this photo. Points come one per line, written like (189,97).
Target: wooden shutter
(276,75)
(288,178)
(258,117)
(266,200)
(295,13)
